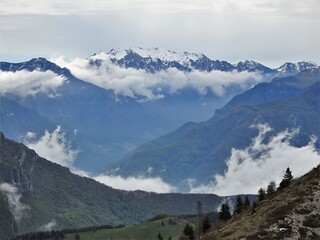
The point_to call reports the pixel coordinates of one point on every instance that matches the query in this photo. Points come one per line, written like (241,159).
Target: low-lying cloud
(56,148)
(49,226)
(17,208)
(24,83)
(132,82)
(255,166)
(247,169)
(149,184)
(131,183)
(53,146)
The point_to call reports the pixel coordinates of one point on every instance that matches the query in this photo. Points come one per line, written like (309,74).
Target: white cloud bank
(56,148)
(255,166)
(148,184)
(143,183)
(17,208)
(53,146)
(132,82)
(24,83)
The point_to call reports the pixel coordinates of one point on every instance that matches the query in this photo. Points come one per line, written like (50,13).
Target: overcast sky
(268,31)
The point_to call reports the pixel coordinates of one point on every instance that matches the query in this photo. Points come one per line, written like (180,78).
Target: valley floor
(145,231)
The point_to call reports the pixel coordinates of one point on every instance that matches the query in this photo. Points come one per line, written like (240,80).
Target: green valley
(144,231)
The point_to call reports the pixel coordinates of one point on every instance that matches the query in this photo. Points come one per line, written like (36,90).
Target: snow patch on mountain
(156,53)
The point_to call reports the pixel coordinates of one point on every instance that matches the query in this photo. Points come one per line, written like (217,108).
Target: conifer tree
(206,224)
(224,213)
(159,236)
(287,178)
(246,202)
(288,175)
(189,232)
(271,188)
(261,194)
(239,205)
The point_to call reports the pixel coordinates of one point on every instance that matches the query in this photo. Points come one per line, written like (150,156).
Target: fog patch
(49,226)
(17,208)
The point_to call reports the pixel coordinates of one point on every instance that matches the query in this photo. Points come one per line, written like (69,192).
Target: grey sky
(267,31)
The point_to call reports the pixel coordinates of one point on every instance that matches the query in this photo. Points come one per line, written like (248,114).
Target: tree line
(241,205)
(58,235)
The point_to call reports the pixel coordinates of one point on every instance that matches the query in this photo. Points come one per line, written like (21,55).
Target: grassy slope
(143,231)
(296,209)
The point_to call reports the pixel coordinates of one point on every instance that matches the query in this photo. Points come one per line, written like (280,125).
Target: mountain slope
(16,119)
(50,193)
(8,226)
(277,89)
(199,150)
(292,213)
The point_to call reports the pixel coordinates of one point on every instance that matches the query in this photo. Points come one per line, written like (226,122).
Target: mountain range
(158,59)
(110,103)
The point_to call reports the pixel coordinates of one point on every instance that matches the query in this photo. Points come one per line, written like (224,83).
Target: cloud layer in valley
(53,146)
(24,83)
(131,183)
(247,169)
(56,148)
(132,82)
(149,184)
(17,208)
(255,166)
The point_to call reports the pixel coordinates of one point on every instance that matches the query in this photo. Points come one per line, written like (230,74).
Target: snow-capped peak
(295,67)
(100,55)
(118,53)
(251,66)
(247,63)
(156,53)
